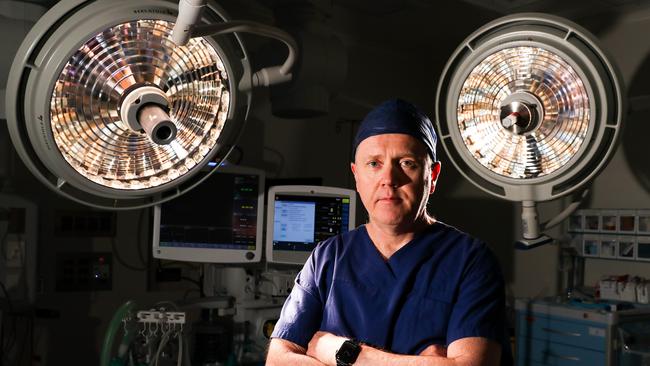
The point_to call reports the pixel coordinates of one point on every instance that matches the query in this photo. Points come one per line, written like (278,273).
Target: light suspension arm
(571,208)
(189,13)
(268,75)
(532,237)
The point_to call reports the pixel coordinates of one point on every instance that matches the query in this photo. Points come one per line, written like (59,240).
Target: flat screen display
(219,221)
(302,221)
(302,216)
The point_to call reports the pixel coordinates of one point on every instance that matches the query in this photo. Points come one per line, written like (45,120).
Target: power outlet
(15,253)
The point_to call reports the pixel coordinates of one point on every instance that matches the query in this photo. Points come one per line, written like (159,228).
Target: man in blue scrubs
(403,289)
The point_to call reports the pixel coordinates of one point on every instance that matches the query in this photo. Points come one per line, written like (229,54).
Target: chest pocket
(423,319)
(358,310)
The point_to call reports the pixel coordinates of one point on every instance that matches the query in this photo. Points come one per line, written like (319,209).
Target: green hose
(113,329)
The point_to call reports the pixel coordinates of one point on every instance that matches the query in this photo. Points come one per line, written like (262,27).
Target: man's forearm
(464,352)
(370,356)
(291,359)
(285,353)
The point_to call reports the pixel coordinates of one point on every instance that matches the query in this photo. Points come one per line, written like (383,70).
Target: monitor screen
(219,221)
(299,217)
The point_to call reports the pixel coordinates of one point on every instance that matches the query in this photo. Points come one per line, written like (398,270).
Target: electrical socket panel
(14,253)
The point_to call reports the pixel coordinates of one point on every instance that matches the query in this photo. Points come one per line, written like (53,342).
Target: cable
(163,342)
(31,340)
(142,257)
(279,154)
(2,343)
(22,353)
(3,240)
(179,360)
(37,337)
(119,258)
(197,283)
(10,345)
(241,154)
(186,345)
(190,291)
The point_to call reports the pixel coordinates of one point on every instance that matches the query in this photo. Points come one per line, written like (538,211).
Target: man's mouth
(390,199)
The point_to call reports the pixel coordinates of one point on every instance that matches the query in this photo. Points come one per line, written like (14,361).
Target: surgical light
(529,109)
(109,111)
(93,109)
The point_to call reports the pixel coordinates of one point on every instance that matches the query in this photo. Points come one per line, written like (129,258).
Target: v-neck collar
(399,263)
(372,263)
(412,253)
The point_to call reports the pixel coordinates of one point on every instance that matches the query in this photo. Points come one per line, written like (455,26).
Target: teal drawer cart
(575,334)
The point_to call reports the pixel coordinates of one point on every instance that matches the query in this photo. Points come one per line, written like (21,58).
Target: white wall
(624,183)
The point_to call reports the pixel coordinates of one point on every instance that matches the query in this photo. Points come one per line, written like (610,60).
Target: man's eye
(373,164)
(408,163)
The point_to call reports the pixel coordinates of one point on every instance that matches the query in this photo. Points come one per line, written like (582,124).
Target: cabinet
(572,333)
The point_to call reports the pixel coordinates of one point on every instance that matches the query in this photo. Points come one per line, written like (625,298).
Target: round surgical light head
(111,113)
(135,67)
(523,112)
(529,107)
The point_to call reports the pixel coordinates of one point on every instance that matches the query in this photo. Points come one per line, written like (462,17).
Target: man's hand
(323,347)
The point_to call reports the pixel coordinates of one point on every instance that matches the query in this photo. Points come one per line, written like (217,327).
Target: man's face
(394,178)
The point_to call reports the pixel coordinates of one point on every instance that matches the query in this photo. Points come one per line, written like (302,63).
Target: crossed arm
(474,351)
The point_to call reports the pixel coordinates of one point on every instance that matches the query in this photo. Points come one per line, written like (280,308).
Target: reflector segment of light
(552,141)
(87,97)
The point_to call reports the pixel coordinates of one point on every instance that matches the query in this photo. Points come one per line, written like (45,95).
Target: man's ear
(354,171)
(435,173)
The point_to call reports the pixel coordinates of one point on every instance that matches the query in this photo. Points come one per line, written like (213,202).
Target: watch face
(348,352)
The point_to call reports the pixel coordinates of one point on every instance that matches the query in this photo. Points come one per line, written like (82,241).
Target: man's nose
(391,175)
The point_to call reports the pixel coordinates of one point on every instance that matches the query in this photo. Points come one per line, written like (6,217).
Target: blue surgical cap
(397,116)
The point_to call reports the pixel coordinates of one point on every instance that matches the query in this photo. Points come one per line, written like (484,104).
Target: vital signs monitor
(299,217)
(219,221)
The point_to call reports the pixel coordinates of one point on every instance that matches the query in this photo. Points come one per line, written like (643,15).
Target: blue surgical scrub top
(442,286)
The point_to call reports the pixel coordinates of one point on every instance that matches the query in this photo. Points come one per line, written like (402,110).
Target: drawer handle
(568,358)
(555,331)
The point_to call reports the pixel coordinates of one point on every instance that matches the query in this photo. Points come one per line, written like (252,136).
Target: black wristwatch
(348,353)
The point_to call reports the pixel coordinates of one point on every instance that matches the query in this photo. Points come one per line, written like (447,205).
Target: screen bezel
(216,255)
(296,257)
